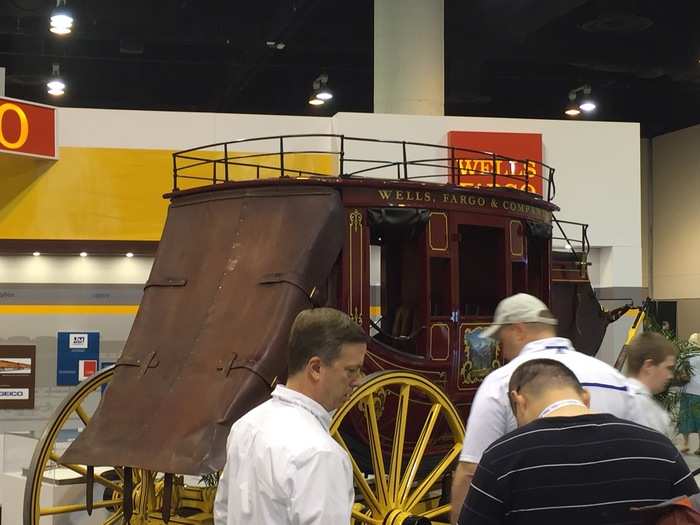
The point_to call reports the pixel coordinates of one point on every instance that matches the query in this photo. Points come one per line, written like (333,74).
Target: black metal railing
(448,163)
(575,242)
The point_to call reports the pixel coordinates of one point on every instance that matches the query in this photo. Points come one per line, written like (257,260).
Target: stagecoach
(259,229)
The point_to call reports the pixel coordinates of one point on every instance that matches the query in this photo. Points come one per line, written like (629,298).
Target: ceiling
(503,58)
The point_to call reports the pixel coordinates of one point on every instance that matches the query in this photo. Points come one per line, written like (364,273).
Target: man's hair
(320,332)
(539,375)
(648,345)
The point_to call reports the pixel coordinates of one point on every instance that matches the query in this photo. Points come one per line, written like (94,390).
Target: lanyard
(559,404)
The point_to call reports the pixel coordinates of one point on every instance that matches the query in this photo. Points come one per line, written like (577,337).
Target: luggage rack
(572,261)
(409,161)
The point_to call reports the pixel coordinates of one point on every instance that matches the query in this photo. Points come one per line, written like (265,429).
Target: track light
(321,93)
(585,102)
(56,86)
(572,109)
(61,19)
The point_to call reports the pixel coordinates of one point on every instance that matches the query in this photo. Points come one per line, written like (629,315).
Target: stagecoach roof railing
(195,157)
(573,242)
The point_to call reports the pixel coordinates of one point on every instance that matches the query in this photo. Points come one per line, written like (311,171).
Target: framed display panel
(17,376)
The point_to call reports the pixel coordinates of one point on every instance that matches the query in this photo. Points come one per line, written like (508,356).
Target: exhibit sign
(514,158)
(78,356)
(17,376)
(27,128)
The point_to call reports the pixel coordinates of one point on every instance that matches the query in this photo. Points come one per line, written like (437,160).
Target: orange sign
(514,158)
(27,128)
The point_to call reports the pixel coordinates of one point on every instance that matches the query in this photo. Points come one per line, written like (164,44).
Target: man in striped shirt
(526,329)
(568,465)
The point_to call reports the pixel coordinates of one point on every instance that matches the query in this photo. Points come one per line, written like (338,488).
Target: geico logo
(11,394)
(23,126)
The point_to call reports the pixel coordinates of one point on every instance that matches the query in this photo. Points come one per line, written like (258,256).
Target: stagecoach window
(398,276)
(482,275)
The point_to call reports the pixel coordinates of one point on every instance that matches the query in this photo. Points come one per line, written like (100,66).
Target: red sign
(27,128)
(514,158)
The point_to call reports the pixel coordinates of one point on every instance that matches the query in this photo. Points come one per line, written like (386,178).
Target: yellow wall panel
(108,193)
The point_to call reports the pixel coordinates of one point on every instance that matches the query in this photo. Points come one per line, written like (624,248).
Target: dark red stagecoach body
(419,265)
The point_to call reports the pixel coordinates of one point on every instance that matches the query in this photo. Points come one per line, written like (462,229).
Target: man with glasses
(282,466)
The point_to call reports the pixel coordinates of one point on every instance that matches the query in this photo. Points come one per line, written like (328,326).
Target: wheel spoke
(65,509)
(433,477)
(370,498)
(79,469)
(82,414)
(418,452)
(114,518)
(437,511)
(362,518)
(399,438)
(375,446)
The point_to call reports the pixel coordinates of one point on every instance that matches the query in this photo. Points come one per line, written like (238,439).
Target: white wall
(106,128)
(74,269)
(676,214)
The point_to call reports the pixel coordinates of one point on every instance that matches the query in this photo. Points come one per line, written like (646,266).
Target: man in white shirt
(526,330)
(282,466)
(651,359)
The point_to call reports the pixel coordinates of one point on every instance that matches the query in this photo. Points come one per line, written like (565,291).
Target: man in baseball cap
(526,329)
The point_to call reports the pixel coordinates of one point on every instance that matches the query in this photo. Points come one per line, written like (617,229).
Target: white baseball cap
(519,308)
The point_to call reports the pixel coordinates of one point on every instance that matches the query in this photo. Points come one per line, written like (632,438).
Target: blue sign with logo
(78,356)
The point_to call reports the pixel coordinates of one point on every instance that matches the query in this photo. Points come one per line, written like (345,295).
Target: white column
(409,58)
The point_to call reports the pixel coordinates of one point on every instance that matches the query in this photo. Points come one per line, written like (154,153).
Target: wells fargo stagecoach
(391,237)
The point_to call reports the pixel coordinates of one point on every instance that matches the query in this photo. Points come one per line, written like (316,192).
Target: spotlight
(56,86)
(36,254)
(83,254)
(129,254)
(587,103)
(321,93)
(61,19)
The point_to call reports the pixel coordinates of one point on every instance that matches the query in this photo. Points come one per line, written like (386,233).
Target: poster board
(17,376)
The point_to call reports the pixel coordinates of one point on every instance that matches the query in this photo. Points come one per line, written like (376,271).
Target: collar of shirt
(550,343)
(292,397)
(638,386)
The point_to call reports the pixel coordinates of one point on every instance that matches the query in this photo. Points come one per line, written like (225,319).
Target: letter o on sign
(23,126)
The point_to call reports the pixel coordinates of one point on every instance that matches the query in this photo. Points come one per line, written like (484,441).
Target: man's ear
(313,367)
(648,363)
(586,398)
(519,402)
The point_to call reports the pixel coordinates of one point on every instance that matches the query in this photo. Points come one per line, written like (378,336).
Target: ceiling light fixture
(36,254)
(83,254)
(56,86)
(585,102)
(572,109)
(129,254)
(61,19)
(321,94)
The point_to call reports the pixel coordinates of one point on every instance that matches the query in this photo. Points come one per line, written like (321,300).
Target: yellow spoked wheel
(45,495)
(46,469)
(411,435)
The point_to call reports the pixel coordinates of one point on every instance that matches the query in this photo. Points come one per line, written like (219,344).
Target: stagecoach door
(481,270)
